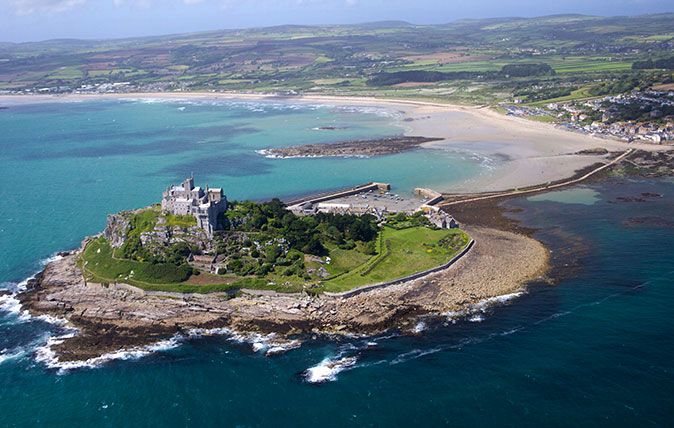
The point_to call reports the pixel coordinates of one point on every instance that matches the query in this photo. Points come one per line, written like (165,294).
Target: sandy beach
(518,152)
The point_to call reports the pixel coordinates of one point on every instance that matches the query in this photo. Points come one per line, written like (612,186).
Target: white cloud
(26,7)
(230,4)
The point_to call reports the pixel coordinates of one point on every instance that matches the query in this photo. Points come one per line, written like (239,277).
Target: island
(355,148)
(341,262)
(196,241)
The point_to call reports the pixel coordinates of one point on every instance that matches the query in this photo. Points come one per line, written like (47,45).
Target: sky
(33,20)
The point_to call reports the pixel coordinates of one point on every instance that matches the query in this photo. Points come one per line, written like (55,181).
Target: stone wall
(405,279)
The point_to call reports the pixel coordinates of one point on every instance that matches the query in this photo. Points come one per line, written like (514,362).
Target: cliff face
(116,229)
(160,238)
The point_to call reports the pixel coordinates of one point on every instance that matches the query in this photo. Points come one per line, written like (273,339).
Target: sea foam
(46,355)
(328,369)
(476,312)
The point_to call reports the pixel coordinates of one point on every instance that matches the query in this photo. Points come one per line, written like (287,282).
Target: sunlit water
(593,350)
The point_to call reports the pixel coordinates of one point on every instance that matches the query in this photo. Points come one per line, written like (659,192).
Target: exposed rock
(644,163)
(116,229)
(365,148)
(595,151)
(161,238)
(113,317)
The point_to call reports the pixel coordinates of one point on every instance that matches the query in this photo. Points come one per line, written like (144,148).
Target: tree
(315,247)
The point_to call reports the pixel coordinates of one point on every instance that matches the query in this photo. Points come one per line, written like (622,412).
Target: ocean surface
(593,349)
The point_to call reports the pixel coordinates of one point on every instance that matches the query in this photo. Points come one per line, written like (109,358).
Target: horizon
(25,21)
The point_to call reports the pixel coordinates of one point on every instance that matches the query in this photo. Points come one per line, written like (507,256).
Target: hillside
(344,59)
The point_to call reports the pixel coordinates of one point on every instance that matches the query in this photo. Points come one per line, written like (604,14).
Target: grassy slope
(339,59)
(410,250)
(100,266)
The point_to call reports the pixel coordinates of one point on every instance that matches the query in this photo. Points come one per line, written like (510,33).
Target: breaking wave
(267,344)
(328,369)
(46,355)
(477,311)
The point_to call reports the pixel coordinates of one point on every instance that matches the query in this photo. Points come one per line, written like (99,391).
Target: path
(542,187)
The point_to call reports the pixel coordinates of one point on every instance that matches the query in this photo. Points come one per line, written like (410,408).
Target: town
(638,116)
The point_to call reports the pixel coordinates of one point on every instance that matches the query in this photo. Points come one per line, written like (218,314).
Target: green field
(99,265)
(343,59)
(577,95)
(401,253)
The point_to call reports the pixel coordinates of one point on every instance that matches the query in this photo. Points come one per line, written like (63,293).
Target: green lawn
(99,265)
(180,220)
(402,253)
(344,260)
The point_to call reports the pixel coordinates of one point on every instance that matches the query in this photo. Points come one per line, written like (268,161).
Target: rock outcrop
(116,229)
(364,148)
(119,316)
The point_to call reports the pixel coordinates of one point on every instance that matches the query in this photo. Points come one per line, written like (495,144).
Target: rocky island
(355,148)
(198,262)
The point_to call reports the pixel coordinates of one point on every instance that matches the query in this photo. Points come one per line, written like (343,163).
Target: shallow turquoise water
(67,165)
(593,350)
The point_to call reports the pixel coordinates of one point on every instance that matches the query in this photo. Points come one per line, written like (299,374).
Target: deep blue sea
(594,349)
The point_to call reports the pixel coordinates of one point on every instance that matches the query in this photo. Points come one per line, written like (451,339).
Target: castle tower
(188,184)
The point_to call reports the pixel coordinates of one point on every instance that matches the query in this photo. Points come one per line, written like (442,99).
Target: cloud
(231,4)
(26,7)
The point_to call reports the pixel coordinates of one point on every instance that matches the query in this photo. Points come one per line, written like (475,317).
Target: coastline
(503,261)
(522,153)
(110,318)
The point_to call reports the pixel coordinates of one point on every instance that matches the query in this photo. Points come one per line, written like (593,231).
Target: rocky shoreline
(355,148)
(111,318)
(114,317)
(647,164)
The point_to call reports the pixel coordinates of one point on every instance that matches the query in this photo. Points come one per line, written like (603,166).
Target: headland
(359,261)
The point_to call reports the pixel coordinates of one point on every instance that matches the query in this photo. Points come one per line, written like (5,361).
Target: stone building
(205,205)
(441,219)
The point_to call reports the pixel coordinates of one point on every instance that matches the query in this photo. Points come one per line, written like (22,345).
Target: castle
(205,205)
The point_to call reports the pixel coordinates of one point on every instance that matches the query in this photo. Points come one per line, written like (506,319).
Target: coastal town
(645,117)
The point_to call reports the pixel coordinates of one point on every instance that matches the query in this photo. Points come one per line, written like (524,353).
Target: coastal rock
(116,229)
(364,148)
(649,221)
(113,317)
(648,164)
